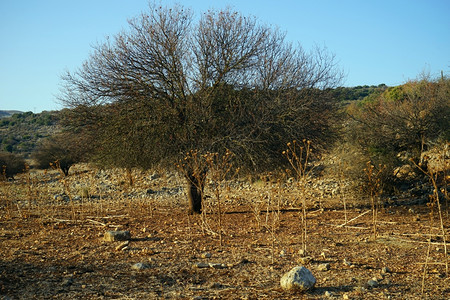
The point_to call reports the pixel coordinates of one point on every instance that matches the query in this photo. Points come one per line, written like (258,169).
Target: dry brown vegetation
(52,244)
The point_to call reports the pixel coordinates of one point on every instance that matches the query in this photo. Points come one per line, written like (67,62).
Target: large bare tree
(169,84)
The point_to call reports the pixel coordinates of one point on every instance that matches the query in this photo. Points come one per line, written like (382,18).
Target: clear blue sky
(375,41)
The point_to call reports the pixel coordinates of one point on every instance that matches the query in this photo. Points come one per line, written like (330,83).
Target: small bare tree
(167,85)
(62,150)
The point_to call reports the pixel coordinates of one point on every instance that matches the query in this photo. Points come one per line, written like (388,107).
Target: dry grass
(52,247)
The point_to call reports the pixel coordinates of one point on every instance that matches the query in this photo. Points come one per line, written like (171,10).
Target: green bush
(409,118)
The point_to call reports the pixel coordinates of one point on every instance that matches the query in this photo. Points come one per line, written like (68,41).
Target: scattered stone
(202,265)
(299,279)
(111,236)
(328,294)
(206,255)
(217,266)
(323,267)
(359,289)
(347,263)
(372,283)
(305,260)
(140,266)
(283,253)
(123,246)
(301,252)
(154,176)
(216,285)
(67,281)
(405,172)
(210,265)
(385,270)
(345,296)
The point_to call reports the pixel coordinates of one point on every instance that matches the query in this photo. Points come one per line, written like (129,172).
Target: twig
(96,222)
(65,221)
(387,222)
(107,217)
(347,226)
(418,242)
(345,223)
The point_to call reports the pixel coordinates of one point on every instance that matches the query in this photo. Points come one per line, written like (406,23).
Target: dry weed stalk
(298,155)
(374,189)
(219,168)
(66,186)
(435,202)
(257,214)
(341,177)
(273,211)
(194,167)
(5,192)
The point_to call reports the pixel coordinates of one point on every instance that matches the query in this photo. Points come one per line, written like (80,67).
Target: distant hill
(8,113)
(20,132)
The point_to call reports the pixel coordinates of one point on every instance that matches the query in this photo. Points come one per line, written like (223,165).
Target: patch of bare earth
(54,249)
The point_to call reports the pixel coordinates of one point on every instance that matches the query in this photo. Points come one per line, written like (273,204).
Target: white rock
(299,279)
(140,266)
(323,267)
(328,294)
(372,283)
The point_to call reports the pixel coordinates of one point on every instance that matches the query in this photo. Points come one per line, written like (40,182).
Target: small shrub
(11,164)
(61,151)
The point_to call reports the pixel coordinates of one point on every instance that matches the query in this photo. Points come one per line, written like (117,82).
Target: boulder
(298,279)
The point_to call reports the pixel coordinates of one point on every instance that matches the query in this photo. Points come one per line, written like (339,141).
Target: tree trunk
(65,170)
(195,185)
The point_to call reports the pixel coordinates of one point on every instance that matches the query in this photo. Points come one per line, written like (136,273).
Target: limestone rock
(323,267)
(140,266)
(201,265)
(299,279)
(372,283)
(111,236)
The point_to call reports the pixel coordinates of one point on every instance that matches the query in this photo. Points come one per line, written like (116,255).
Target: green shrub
(408,118)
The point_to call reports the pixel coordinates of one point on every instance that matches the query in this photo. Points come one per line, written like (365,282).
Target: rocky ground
(53,246)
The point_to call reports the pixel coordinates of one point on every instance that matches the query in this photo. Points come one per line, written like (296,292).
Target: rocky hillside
(20,132)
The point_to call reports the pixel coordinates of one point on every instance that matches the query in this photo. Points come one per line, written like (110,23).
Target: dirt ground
(54,248)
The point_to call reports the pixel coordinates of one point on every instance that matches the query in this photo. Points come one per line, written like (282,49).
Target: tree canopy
(169,84)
